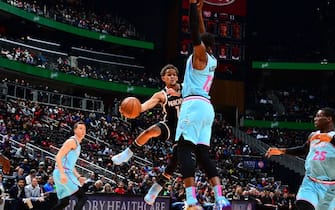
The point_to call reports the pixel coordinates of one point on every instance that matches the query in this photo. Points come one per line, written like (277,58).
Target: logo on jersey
(212,68)
(176,102)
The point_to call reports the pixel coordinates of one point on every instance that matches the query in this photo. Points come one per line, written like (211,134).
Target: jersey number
(319,155)
(208,83)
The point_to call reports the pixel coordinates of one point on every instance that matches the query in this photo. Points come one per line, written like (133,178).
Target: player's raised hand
(200,4)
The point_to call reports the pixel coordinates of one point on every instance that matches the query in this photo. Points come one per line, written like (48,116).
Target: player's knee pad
(205,162)
(186,160)
(304,205)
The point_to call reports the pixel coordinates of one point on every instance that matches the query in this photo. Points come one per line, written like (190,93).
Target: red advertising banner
(232,7)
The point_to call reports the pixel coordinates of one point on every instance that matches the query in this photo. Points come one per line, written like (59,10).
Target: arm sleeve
(194,24)
(298,150)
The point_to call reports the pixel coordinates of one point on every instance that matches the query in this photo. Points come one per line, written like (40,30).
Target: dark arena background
(68,60)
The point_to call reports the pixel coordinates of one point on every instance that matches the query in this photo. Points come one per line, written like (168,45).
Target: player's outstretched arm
(298,150)
(199,59)
(155,99)
(274,151)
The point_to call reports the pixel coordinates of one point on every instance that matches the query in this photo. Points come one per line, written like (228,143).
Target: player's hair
(166,67)
(208,40)
(329,112)
(78,123)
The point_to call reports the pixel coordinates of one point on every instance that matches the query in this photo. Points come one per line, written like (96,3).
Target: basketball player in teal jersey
(67,180)
(196,115)
(170,100)
(317,191)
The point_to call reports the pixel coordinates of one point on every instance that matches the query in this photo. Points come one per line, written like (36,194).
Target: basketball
(130,107)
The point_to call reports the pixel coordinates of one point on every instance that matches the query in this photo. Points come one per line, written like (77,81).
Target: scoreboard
(225,19)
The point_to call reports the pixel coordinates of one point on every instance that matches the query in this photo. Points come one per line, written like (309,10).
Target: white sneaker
(122,157)
(152,194)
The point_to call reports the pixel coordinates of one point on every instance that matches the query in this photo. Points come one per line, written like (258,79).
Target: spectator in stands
(316,190)
(34,193)
(49,170)
(146,183)
(91,179)
(167,190)
(124,75)
(120,188)
(42,173)
(17,193)
(40,181)
(107,188)
(49,190)
(286,202)
(30,176)
(179,191)
(19,174)
(25,165)
(132,189)
(68,180)
(49,186)
(194,129)
(6,146)
(96,187)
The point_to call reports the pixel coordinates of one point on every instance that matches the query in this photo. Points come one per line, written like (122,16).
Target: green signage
(278,124)
(85,82)
(322,66)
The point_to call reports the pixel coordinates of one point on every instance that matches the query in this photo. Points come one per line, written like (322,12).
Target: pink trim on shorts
(196,97)
(321,181)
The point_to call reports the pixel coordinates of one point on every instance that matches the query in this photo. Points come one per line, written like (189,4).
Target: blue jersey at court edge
(68,162)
